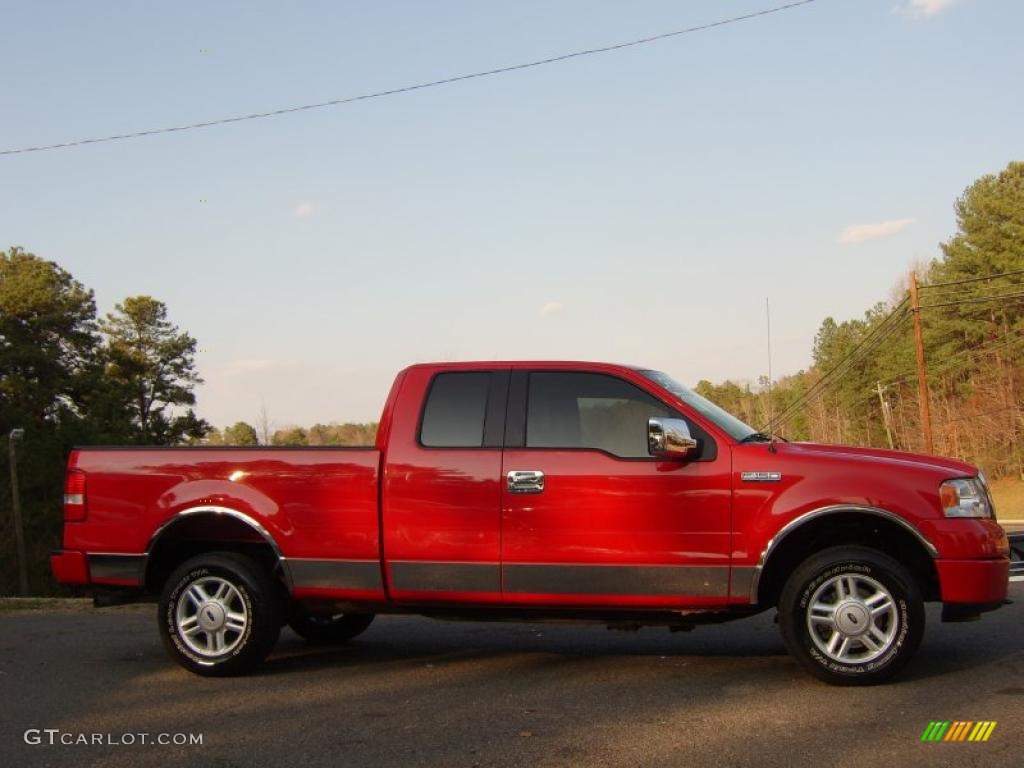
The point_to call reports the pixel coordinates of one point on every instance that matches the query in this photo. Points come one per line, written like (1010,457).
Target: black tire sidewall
(856,561)
(258,597)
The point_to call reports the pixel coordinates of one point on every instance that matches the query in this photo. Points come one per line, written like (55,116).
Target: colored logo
(958,730)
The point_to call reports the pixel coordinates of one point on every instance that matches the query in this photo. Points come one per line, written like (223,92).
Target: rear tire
(220,614)
(851,615)
(327,629)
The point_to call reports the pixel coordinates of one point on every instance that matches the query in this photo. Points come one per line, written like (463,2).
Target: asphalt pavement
(416,692)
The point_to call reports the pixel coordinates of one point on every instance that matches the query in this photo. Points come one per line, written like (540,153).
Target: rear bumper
(973,581)
(69,567)
(72,567)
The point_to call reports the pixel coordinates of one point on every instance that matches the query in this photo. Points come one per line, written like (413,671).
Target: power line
(969,291)
(972,279)
(822,384)
(946,364)
(418,86)
(1017,337)
(875,337)
(826,379)
(977,300)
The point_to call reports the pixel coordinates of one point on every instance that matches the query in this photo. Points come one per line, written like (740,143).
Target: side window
(589,410)
(454,414)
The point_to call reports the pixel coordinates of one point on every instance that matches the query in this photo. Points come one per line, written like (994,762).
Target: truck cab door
(441,493)
(590,518)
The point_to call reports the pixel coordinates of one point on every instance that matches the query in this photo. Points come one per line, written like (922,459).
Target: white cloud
(304,210)
(858,233)
(926,7)
(552,307)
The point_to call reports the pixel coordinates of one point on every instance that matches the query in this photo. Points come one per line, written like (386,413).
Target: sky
(636,206)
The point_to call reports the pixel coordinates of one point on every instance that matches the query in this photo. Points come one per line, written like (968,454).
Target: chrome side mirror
(669,438)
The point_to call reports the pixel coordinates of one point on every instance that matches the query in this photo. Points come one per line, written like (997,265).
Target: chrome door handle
(525,481)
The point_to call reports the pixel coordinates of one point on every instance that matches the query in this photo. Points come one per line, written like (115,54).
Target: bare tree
(264,424)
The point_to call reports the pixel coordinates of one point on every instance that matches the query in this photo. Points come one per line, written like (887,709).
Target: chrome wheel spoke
(190,625)
(843,648)
(822,614)
(840,588)
(197,595)
(852,589)
(235,622)
(882,609)
(879,603)
(877,597)
(834,641)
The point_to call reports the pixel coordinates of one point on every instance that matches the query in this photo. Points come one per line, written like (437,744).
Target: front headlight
(965,497)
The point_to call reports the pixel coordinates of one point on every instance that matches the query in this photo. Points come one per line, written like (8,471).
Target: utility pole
(19,531)
(922,374)
(885,416)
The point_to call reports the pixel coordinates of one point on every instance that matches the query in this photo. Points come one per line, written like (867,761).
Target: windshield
(735,428)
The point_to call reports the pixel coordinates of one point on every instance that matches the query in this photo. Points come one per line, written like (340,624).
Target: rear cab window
(465,409)
(455,411)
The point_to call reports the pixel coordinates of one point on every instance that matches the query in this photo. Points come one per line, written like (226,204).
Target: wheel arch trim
(832,509)
(213,509)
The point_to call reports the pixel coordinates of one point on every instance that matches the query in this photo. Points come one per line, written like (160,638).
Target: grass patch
(1008,495)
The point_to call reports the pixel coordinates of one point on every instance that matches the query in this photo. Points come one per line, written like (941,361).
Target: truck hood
(938,464)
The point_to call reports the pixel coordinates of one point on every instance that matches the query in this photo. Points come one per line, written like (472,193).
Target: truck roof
(591,364)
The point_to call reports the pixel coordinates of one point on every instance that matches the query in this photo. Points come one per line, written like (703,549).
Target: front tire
(220,614)
(851,615)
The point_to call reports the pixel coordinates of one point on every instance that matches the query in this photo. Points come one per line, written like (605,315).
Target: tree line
(245,434)
(862,386)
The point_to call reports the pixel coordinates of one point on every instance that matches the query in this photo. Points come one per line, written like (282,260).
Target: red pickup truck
(537,491)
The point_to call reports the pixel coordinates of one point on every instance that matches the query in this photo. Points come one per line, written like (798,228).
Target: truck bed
(315,504)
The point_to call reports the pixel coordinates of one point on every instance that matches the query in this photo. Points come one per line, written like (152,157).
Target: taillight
(74,495)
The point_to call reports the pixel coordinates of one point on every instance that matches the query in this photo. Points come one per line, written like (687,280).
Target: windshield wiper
(761,437)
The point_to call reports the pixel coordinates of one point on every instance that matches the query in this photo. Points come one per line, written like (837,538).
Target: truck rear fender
(208,527)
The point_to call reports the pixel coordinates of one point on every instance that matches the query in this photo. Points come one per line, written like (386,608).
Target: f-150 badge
(761,477)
